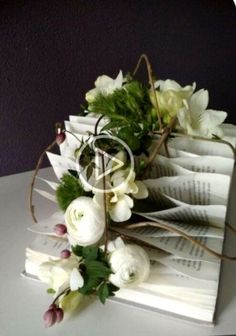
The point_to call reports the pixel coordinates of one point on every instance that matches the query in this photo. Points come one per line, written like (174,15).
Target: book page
(80,128)
(201,147)
(194,230)
(180,246)
(163,166)
(61,164)
(51,246)
(46,226)
(71,143)
(213,215)
(196,188)
(87,120)
(198,269)
(206,164)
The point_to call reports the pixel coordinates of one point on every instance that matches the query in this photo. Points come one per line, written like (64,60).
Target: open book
(187,192)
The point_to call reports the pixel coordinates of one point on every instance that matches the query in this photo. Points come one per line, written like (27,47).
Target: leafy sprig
(130,112)
(95,270)
(69,189)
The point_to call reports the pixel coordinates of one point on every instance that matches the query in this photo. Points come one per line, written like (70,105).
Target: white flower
(130,265)
(124,182)
(170,96)
(119,203)
(104,85)
(56,273)
(85,222)
(76,280)
(195,119)
(171,85)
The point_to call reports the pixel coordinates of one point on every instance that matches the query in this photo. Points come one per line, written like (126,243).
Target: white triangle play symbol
(111,164)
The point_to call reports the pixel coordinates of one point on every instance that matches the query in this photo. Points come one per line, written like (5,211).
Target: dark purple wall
(52,51)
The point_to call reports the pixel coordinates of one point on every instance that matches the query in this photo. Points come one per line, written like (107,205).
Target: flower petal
(76,280)
(199,101)
(212,118)
(142,190)
(120,212)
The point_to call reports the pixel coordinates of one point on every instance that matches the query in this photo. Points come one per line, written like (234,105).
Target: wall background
(52,51)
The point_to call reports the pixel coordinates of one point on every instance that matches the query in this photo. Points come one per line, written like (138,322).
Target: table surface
(23,301)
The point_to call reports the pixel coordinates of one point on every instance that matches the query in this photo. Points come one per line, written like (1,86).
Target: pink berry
(60,138)
(59,315)
(65,254)
(50,317)
(60,229)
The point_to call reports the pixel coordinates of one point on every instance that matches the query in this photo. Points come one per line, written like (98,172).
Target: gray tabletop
(23,301)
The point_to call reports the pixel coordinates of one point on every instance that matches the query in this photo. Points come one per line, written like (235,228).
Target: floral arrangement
(134,120)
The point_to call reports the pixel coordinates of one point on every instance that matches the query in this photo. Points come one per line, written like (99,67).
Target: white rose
(56,273)
(130,265)
(104,85)
(85,222)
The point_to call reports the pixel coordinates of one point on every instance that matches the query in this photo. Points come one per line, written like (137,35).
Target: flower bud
(60,138)
(49,317)
(60,229)
(65,254)
(59,315)
(53,306)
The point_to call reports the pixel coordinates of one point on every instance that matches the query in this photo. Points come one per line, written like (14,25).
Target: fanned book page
(187,192)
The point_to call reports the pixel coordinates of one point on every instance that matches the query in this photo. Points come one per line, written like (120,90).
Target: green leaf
(51,291)
(89,171)
(112,288)
(77,250)
(74,173)
(103,292)
(90,285)
(112,124)
(90,252)
(97,269)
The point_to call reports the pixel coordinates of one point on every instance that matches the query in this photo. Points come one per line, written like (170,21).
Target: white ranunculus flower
(56,273)
(130,265)
(105,85)
(170,96)
(85,222)
(194,119)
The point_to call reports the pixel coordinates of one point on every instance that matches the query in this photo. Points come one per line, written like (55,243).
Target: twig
(181,135)
(162,140)
(151,83)
(31,206)
(96,125)
(105,205)
(182,234)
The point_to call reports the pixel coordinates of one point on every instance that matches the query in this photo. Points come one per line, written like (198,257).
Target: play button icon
(111,164)
(100,165)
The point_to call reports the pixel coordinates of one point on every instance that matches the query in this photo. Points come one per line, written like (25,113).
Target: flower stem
(151,83)
(106,215)
(65,291)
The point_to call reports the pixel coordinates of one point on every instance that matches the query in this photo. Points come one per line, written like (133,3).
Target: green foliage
(127,108)
(103,292)
(51,291)
(95,271)
(69,189)
(129,103)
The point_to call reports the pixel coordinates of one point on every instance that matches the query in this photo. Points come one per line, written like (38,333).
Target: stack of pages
(188,192)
